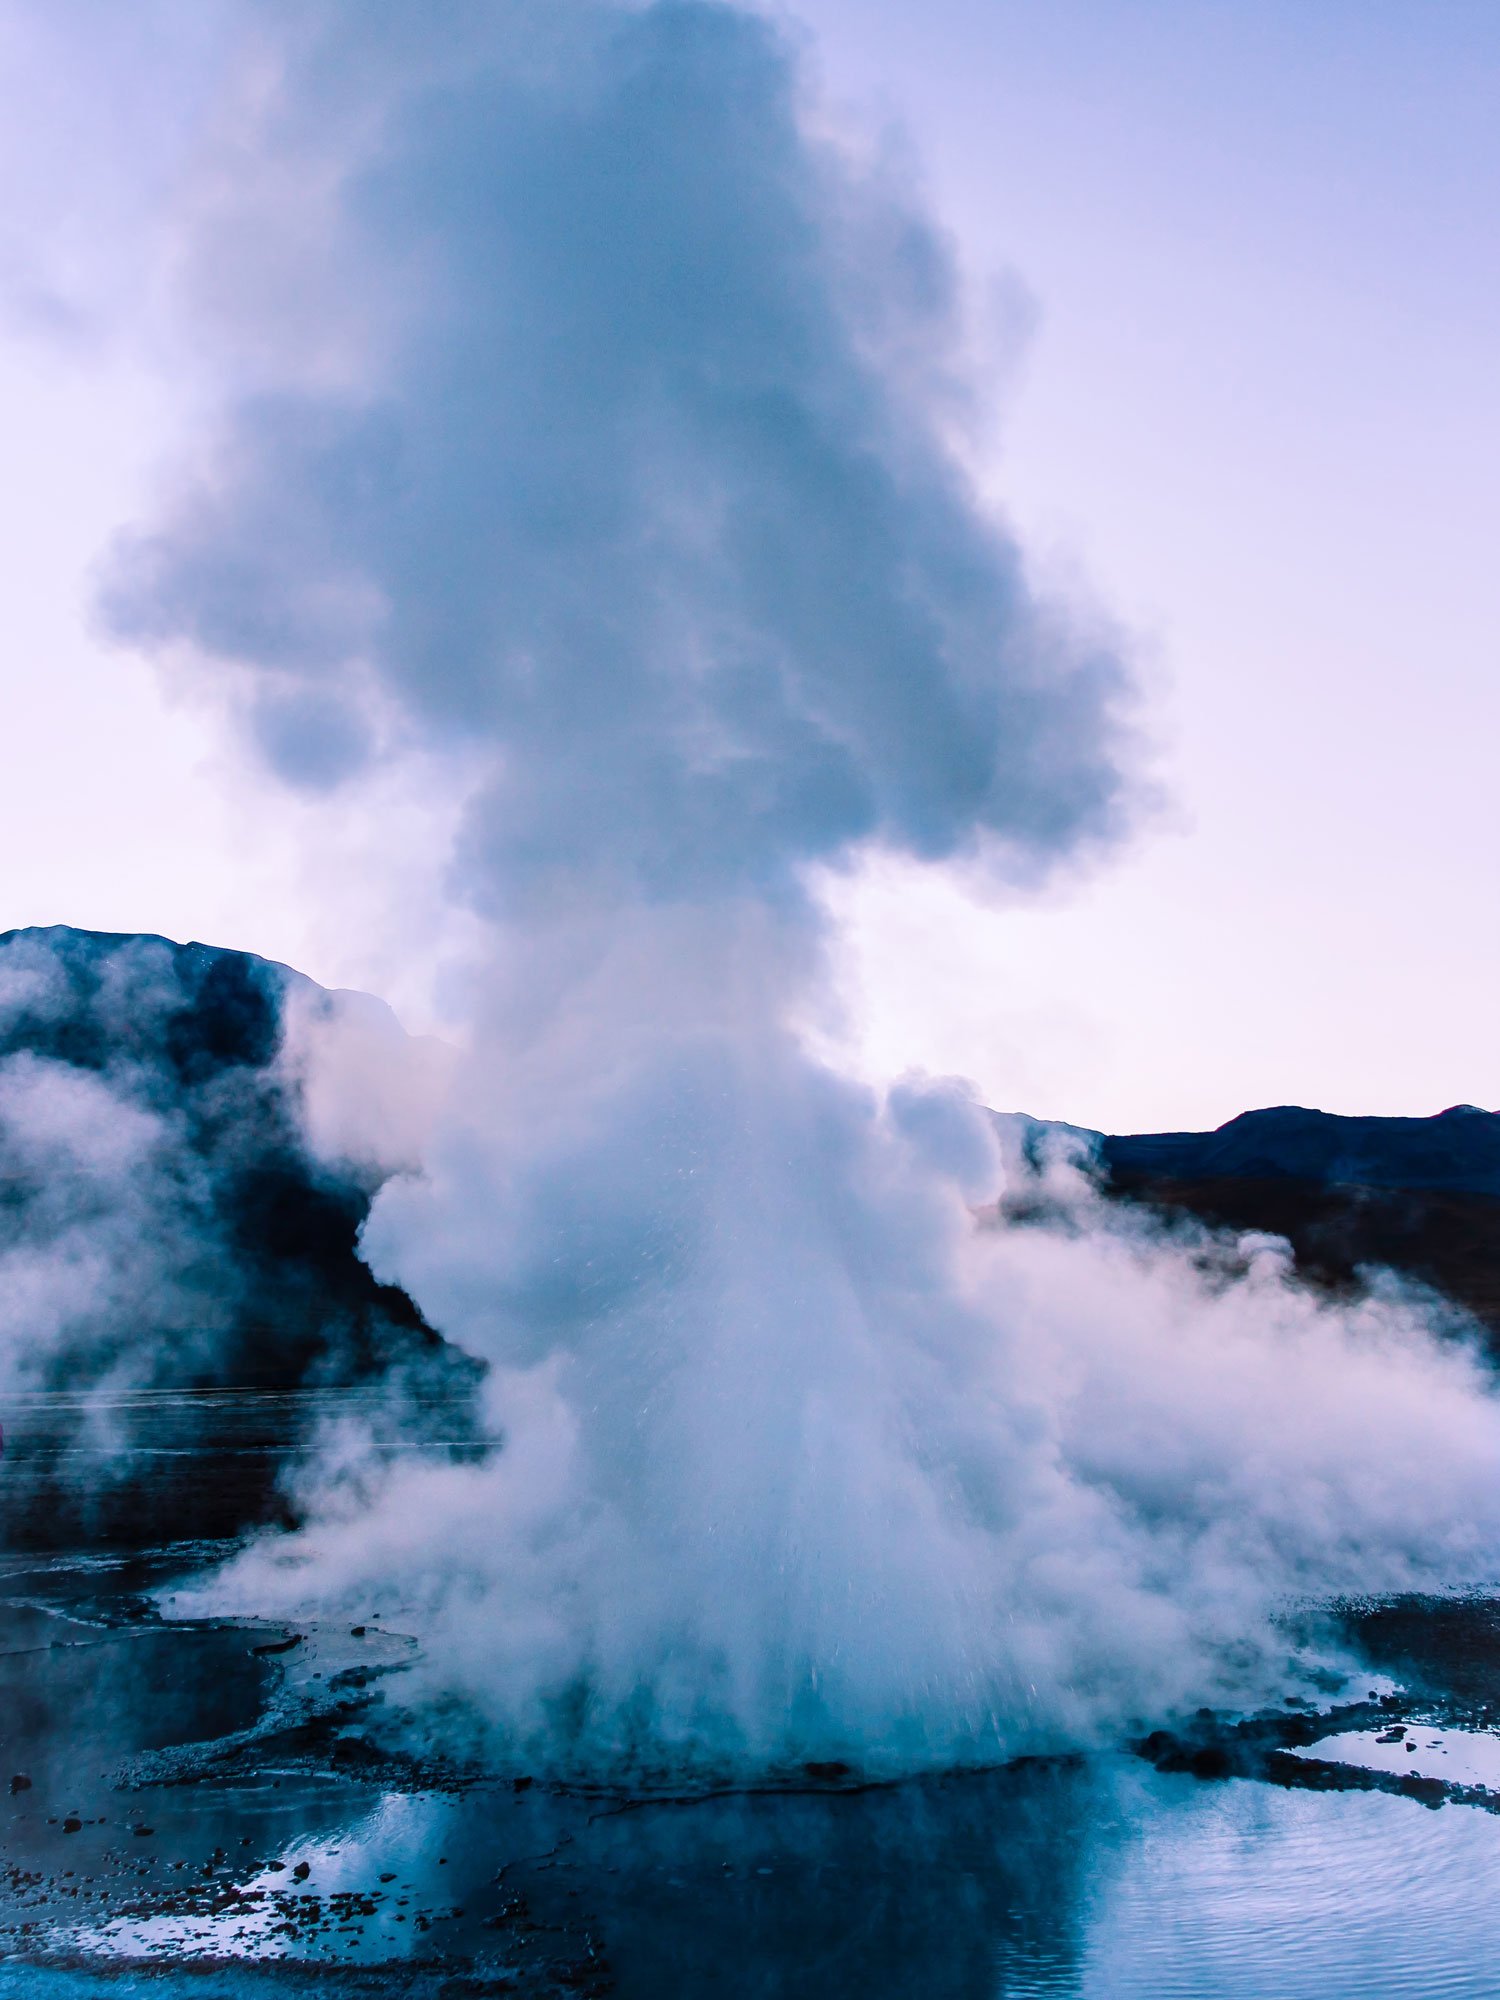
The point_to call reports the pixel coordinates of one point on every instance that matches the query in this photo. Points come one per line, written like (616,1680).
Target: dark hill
(1420,1196)
(166,1235)
(1459,1150)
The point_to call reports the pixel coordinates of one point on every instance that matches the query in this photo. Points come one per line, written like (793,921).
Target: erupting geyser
(621,475)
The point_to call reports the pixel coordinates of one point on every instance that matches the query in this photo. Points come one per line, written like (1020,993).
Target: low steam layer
(595,424)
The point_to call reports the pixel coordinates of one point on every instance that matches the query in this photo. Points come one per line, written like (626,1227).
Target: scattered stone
(19,1783)
(302,1870)
(278,1645)
(72,1824)
(356,1631)
(143,1832)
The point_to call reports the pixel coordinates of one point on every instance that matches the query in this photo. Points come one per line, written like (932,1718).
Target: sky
(1234,295)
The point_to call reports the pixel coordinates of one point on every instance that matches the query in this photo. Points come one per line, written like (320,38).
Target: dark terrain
(213,1253)
(1352,1196)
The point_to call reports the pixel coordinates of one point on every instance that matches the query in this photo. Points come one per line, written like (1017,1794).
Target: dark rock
(1211,1760)
(278,1645)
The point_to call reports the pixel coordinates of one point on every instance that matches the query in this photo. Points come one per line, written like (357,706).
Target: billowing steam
(592,421)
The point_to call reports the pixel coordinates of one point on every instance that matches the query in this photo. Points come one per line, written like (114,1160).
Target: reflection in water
(1111,1882)
(1243,1891)
(948,1889)
(1416,1750)
(204,1800)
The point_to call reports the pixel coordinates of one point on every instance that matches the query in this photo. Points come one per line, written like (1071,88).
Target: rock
(278,1645)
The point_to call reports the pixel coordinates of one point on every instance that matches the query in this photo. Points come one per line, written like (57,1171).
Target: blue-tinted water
(170,1838)
(1110,1881)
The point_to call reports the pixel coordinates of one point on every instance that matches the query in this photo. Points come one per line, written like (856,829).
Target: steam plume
(594,425)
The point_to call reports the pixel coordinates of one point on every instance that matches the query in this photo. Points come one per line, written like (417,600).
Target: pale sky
(1236,268)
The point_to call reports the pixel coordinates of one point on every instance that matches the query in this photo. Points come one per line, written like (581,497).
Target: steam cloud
(591,419)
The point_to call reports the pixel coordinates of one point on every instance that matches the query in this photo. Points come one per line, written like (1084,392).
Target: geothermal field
(296,1681)
(805,1297)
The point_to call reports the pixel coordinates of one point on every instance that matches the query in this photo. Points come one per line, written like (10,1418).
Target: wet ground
(220,1803)
(134,1469)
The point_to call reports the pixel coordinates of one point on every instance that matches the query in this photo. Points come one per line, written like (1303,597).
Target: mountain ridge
(1352,1195)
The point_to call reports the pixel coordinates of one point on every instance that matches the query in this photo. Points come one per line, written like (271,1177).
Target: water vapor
(591,419)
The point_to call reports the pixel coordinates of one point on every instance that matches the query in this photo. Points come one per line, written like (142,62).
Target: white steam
(585,422)
(807,1455)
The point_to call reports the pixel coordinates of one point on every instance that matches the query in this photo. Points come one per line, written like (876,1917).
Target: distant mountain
(1458,1150)
(165,1230)
(1420,1196)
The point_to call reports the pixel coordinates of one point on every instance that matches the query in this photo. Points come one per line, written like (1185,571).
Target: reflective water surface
(221,1805)
(1110,1882)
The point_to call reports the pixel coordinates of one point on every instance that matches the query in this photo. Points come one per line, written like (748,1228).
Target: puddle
(1454,1756)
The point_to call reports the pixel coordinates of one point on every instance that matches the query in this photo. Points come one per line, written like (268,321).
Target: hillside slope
(1420,1196)
(166,1233)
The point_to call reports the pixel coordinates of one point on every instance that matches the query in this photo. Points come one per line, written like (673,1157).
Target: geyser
(623,471)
